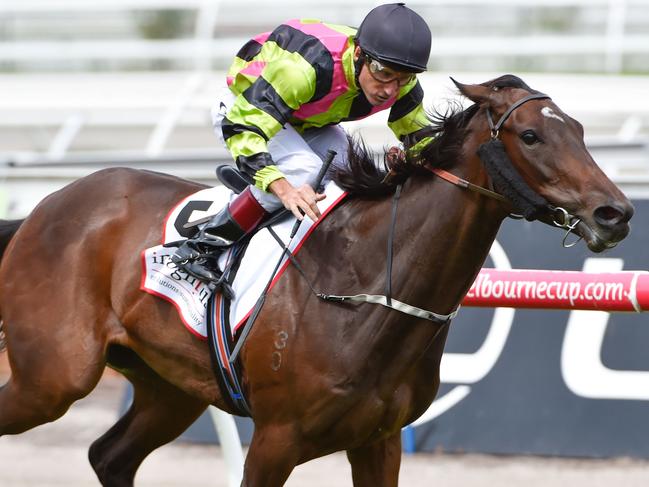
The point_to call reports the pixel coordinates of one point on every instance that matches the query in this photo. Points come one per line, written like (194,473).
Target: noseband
(501,169)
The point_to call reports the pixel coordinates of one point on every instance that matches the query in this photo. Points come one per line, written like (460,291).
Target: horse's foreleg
(160,412)
(377,465)
(274,452)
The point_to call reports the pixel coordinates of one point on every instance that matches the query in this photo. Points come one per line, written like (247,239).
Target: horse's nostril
(613,214)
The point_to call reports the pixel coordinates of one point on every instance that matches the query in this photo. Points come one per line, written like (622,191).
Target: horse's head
(546,147)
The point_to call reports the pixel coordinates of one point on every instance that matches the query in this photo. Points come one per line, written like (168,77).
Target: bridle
(561,218)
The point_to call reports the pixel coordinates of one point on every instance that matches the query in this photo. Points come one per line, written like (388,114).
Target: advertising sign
(549,382)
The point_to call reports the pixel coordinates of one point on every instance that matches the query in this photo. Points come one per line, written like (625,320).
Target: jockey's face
(382,84)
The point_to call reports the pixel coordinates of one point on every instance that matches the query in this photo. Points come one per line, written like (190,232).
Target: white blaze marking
(547,112)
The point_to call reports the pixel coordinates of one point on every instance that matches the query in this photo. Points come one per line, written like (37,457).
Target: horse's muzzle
(608,225)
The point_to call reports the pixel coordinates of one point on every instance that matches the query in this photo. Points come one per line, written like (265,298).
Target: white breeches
(298,156)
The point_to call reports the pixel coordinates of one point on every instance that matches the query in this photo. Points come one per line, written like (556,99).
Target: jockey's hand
(396,159)
(301,201)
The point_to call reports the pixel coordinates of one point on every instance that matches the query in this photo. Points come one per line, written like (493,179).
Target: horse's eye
(529,137)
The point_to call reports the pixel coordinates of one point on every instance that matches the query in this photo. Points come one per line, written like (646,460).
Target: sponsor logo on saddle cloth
(160,276)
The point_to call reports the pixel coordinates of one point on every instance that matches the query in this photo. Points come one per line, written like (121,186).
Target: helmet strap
(358,65)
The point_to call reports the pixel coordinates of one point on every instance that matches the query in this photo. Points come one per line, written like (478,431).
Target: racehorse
(351,375)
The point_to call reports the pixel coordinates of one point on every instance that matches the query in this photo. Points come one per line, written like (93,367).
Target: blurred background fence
(521,35)
(87,84)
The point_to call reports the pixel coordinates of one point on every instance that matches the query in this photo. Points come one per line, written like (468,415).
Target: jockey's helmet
(395,35)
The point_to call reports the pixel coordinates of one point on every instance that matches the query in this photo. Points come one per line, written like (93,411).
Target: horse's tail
(7,230)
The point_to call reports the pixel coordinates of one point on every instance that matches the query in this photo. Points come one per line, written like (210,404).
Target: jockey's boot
(198,256)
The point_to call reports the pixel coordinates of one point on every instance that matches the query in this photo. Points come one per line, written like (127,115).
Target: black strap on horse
(495,128)
(508,180)
(504,175)
(382,299)
(388,272)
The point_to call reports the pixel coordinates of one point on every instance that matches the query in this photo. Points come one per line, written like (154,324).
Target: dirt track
(55,455)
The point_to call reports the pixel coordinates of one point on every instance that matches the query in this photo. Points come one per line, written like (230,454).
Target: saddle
(232,178)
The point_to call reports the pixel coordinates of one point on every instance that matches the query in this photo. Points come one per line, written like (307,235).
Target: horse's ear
(476,93)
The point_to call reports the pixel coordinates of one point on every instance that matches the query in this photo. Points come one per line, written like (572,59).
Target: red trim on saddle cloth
(246,211)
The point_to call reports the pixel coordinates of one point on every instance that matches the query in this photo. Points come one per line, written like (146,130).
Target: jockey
(288,90)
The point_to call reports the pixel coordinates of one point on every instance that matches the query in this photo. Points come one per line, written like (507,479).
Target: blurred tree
(165,24)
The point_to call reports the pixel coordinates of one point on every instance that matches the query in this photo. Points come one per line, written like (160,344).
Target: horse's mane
(365,174)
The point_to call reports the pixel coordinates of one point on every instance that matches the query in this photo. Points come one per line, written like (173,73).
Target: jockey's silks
(302,73)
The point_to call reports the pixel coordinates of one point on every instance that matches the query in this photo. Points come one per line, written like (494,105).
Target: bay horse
(351,375)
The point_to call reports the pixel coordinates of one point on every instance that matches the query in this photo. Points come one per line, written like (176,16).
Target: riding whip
(331,154)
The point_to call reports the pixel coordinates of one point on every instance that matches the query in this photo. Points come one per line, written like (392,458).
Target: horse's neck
(446,233)
(442,236)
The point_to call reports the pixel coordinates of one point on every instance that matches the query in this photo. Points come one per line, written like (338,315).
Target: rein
(463,183)
(561,217)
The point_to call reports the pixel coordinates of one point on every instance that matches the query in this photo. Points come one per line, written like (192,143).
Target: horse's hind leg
(160,412)
(49,371)
(377,464)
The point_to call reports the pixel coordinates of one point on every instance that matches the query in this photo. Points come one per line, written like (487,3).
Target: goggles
(383,74)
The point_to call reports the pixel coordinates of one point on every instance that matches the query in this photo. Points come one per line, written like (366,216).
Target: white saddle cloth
(189,295)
